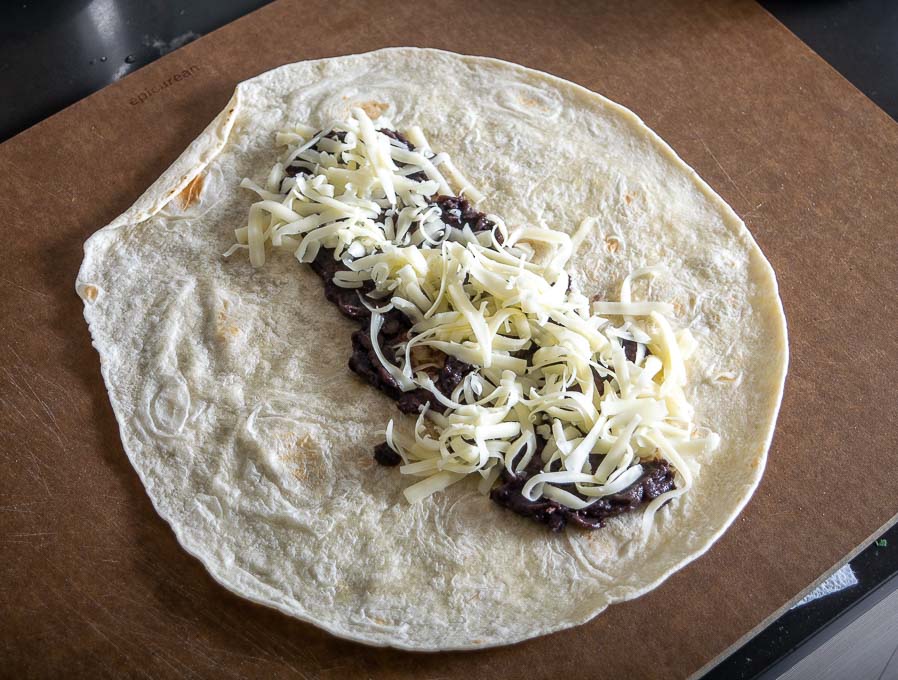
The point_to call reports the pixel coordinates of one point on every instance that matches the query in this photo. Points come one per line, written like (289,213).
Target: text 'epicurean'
(156,89)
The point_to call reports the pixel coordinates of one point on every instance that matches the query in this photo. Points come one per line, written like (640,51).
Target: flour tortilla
(254,440)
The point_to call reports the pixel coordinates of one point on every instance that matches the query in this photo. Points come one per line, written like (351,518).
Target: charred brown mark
(191,193)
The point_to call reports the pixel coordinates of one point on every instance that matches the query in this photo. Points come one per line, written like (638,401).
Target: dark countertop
(859,38)
(52,56)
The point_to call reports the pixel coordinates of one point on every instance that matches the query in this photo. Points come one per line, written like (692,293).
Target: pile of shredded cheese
(483,298)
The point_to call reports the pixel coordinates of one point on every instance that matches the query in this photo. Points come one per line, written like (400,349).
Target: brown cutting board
(92,581)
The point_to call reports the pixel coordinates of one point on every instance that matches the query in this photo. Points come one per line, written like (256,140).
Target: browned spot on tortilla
(224,326)
(303,457)
(312,473)
(90,293)
(532,102)
(678,308)
(191,193)
(374,109)
(612,245)
(628,198)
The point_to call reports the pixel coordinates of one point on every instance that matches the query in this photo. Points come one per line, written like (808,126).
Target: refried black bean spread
(447,372)
(657,478)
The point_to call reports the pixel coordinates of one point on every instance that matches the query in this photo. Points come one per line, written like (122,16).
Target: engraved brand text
(156,89)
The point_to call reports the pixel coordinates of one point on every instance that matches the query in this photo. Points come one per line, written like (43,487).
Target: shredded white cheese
(548,366)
